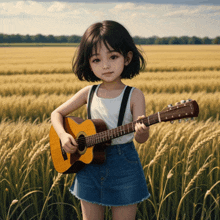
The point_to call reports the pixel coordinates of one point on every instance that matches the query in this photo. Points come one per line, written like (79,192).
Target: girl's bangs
(108,41)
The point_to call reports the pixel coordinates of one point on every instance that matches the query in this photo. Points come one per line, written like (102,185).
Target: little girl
(108,54)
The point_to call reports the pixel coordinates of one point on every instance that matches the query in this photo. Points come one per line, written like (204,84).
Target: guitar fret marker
(159,119)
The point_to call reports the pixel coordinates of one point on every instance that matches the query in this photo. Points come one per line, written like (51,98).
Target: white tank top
(108,110)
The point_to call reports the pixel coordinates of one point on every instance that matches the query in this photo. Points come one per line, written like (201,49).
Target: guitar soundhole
(81,143)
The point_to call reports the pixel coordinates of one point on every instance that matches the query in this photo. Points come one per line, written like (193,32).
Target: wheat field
(181,161)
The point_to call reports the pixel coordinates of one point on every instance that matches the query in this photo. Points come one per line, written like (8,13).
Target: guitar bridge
(63,152)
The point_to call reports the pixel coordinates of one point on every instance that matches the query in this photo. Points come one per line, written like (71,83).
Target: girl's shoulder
(137,96)
(85,91)
(137,103)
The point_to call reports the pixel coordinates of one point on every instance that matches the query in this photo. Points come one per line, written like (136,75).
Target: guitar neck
(184,110)
(107,135)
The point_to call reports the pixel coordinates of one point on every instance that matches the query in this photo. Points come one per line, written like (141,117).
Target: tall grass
(159,58)
(32,107)
(148,82)
(180,161)
(29,185)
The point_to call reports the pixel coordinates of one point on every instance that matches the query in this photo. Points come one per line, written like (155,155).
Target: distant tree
(206,40)
(74,39)
(1,38)
(11,38)
(27,39)
(18,38)
(151,40)
(139,40)
(195,40)
(163,40)
(158,41)
(216,40)
(174,40)
(6,38)
(15,38)
(51,39)
(184,39)
(39,38)
(62,39)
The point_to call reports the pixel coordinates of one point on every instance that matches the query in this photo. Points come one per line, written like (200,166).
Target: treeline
(176,40)
(39,38)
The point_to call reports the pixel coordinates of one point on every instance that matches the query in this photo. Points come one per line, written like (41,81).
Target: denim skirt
(119,181)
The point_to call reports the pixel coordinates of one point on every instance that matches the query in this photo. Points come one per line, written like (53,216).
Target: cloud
(21,7)
(57,7)
(185,2)
(144,19)
(193,11)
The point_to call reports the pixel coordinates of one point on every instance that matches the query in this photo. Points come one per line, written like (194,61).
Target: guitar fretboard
(107,135)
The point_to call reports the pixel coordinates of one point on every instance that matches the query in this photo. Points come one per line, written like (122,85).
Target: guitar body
(78,128)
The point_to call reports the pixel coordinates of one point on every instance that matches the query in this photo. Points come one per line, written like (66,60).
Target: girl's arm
(79,99)
(138,111)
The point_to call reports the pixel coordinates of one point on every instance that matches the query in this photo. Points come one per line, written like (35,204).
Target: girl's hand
(68,143)
(141,128)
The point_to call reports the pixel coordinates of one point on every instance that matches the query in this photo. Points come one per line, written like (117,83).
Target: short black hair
(110,33)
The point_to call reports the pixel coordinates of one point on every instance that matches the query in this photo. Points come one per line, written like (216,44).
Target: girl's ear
(128,58)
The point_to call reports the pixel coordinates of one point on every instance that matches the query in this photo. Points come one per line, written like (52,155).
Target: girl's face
(108,65)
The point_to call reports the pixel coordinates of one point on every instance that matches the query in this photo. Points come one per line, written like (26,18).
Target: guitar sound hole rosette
(81,142)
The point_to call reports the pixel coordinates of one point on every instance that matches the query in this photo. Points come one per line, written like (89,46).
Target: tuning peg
(182,101)
(192,118)
(171,122)
(170,105)
(177,103)
(188,100)
(180,120)
(186,119)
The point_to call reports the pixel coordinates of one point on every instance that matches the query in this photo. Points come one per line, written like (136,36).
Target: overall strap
(123,105)
(90,100)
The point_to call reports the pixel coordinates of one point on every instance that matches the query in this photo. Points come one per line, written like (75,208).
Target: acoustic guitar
(92,136)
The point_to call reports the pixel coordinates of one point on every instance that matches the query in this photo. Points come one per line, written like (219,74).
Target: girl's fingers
(140,127)
(70,150)
(69,147)
(140,117)
(73,141)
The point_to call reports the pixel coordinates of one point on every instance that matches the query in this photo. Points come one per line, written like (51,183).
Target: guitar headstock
(183,109)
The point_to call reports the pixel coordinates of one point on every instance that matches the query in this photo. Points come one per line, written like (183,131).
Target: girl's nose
(106,65)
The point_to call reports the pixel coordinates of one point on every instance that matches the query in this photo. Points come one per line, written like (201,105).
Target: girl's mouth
(108,73)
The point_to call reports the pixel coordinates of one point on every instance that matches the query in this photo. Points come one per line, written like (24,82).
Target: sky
(147,18)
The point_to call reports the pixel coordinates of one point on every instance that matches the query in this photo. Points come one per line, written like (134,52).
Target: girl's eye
(95,60)
(113,57)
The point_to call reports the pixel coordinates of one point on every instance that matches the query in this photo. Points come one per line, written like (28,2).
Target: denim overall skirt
(119,181)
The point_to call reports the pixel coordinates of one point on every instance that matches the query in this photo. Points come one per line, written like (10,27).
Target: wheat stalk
(208,192)
(55,181)
(200,171)
(158,156)
(163,141)
(195,133)
(194,149)
(36,146)
(38,152)
(13,150)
